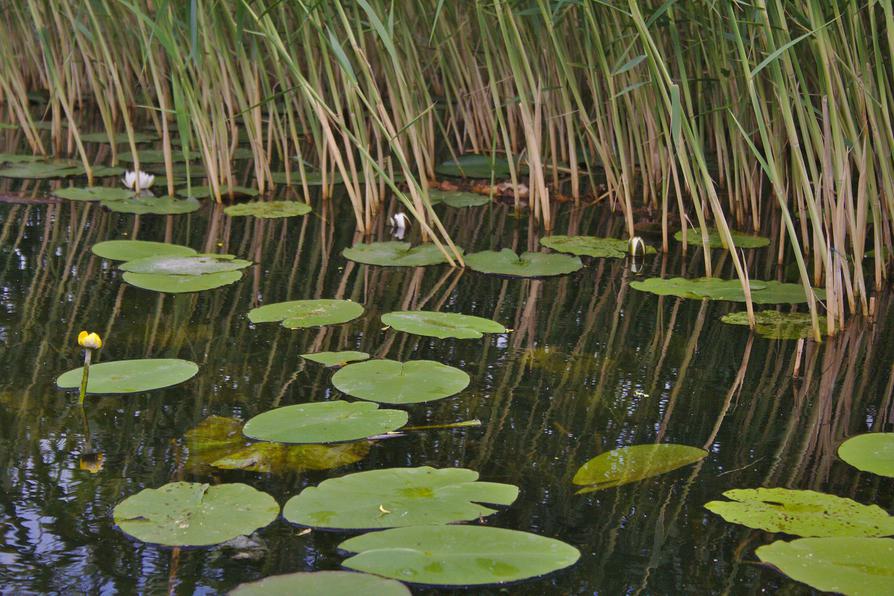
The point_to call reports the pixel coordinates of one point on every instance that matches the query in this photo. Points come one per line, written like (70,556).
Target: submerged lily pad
(336,358)
(740,239)
(395,254)
(634,463)
(872,452)
(457,199)
(43,169)
(477,166)
(186,265)
(131,250)
(203,192)
(457,555)
(269,209)
(528,264)
(802,513)
(131,376)
(441,324)
(93,193)
(772,324)
(324,422)
(323,583)
(140,205)
(712,288)
(299,314)
(393,382)
(853,566)
(195,514)
(148,156)
(590,246)
(180,284)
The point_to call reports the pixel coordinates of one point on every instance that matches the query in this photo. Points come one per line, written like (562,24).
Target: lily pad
(311,178)
(477,166)
(299,314)
(140,205)
(203,192)
(457,555)
(441,324)
(323,583)
(395,254)
(393,382)
(712,288)
(397,497)
(457,199)
(740,239)
(195,514)
(802,513)
(268,209)
(185,265)
(872,452)
(93,193)
(119,138)
(853,566)
(772,324)
(528,264)
(131,250)
(634,463)
(324,422)
(157,156)
(590,246)
(336,358)
(20,158)
(38,170)
(131,376)
(180,284)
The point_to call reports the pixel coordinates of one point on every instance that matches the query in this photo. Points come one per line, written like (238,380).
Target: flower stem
(88,353)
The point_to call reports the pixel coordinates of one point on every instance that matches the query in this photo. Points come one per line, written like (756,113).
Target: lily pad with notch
(457,199)
(93,193)
(130,376)
(441,324)
(324,422)
(336,358)
(131,250)
(322,583)
(870,452)
(181,284)
(528,264)
(634,463)
(143,204)
(199,264)
(395,254)
(393,382)
(740,239)
(590,246)
(269,209)
(39,170)
(300,314)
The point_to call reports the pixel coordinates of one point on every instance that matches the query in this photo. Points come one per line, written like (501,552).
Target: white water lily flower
(399,220)
(137,180)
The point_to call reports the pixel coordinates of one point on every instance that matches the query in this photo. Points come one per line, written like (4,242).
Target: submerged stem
(88,354)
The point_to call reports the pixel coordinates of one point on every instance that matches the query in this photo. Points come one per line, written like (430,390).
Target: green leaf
(393,382)
(203,192)
(268,209)
(131,250)
(93,193)
(476,166)
(872,452)
(590,246)
(323,583)
(634,463)
(311,178)
(152,205)
(457,555)
(457,199)
(397,497)
(529,264)
(324,422)
(148,156)
(38,170)
(179,284)
(802,513)
(130,376)
(119,138)
(441,324)
(336,358)
(772,324)
(195,514)
(185,265)
(20,158)
(299,314)
(712,288)
(395,254)
(740,239)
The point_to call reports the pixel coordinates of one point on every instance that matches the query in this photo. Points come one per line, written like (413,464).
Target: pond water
(590,365)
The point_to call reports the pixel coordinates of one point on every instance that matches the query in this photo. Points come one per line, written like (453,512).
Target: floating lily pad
(772,324)
(457,199)
(119,138)
(268,209)
(311,178)
(203,192)
(397,497)
(590,246)
(140,205)
(457,555)
(395,254)
(740,239)
(336,358)
(299,314)
(441,324)
(20,158)
(186,265)
(712,288)
(323,583)
(179,284)
(782,293)
(93,193)
(131,250)
(43,169)
(477,166)
(393,382)
(872,452)
(194,514)
(157,156)
(106,171)
(802,513)
(324,422)
(529,264)
(853,566)
(131,376)
(634,463)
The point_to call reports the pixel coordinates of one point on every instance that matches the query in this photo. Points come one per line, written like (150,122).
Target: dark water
(591,365)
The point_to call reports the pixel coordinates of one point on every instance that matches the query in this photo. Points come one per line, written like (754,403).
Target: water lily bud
(91,341)
(92,462)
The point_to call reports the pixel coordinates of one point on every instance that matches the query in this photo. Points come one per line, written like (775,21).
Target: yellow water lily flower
(92,462)
(91,341)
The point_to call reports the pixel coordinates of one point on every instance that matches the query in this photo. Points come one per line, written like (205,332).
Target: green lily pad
(180,284)
(38,170)
(477,166)
(8,126)
(457,555)
(529,264)
(311,178)
(20,158)
(712,288)
(324,422)
(119,138)
(457,199)
(395,254)
(590,246)
(268,209)
(140,205)
(740,239)
(772,324)
(397,497)
(441,324)
(186,265)
(107,171)
(872,452)
(336,358)
(131,250)
(634,463)
(130,376)
(781,293)
(93,193)
(203,192)
(194,514)
(300,314)
(323,583)
(148,156)
(393,382)
(802,513)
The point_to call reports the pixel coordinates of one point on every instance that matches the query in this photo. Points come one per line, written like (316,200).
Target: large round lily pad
(397,497)
(395,254)
(740,239)
(299,314)
(323,583)
(853,566)
(477,166)
(336,358)
(712,288)
(528,264)
(393,382)
(143,204)
(131,250)
(802,513)
(457,199)
(180,284)
(457,555)
(441,324)
(195,514)
(93,193)
(157,156)
(268,209)
(324,422)
(131,376)
(872,452)
(634,463)
(772,324)
(186,265)
(38,170)
(590,246)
